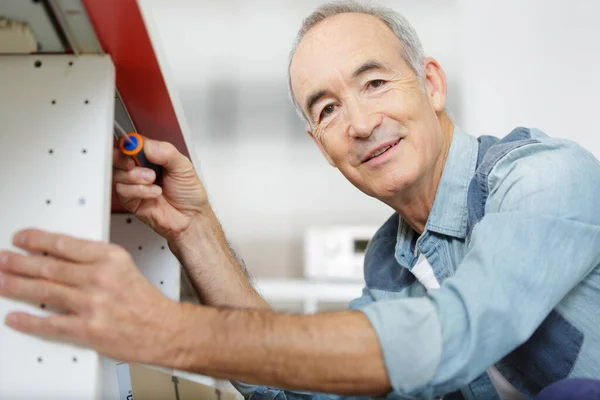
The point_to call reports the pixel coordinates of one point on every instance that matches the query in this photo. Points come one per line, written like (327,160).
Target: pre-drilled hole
(84,151)
(48,201)
(162,247)
(40,360)
(50,151)
(37,63)
(53,102)
(128,220)
(87,102)
(70,63)
(82,201)
(140,248)
(43,306)
(162,282)
(74,359)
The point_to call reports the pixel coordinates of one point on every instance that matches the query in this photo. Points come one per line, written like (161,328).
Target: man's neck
(415,205)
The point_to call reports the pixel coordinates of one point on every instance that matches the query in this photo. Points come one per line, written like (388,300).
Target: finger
(54,326)
(121,161)
(140,192)
(134,176)
(60,246)
(43,267)
(37,291)
(165,154)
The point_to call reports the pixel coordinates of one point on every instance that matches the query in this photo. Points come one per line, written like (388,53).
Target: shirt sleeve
(255,392)
(537,240)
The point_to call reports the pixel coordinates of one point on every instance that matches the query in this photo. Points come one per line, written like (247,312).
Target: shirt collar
(449,215)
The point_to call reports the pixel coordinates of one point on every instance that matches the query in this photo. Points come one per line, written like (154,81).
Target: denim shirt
(513,238)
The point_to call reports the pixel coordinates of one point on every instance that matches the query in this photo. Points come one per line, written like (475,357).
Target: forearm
(213,270)
(328,352)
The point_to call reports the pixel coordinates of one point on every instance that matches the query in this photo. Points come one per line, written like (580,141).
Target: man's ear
(435,84)
(321,148)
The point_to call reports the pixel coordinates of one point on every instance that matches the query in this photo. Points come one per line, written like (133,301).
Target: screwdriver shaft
(120,132)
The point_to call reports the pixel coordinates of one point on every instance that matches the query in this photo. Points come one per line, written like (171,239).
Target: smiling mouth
(381,151)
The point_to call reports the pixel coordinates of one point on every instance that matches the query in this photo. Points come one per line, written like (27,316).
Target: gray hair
(412,50)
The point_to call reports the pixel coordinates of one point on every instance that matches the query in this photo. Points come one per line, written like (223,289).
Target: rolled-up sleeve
(409,335)
(538,239)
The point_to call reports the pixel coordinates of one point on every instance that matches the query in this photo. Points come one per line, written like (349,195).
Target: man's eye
(376,83)
(328,109)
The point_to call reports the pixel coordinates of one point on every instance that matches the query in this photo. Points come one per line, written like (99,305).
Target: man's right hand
(170,209)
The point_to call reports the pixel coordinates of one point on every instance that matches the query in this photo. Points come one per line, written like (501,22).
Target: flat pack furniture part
(151,254)
(56,115)
(94,62)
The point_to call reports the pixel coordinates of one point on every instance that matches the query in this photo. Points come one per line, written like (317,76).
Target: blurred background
(510,63)
(299,225)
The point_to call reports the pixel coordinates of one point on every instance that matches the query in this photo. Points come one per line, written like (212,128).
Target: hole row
(142,248)
(81,201)
(40,360)
(53,101)
(38,63)
(51,151)
(129,221)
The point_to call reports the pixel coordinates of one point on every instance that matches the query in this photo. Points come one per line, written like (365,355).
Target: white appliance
(336,252)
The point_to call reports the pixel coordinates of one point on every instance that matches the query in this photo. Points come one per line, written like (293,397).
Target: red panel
(122,33)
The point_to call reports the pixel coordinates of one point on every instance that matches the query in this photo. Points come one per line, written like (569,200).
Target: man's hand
(180,212)
(105,302)
(171,209)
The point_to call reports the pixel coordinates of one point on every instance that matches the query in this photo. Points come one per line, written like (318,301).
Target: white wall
(266,179)
(532,63)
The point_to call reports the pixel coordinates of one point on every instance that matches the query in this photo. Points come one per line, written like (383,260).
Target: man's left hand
(105,303)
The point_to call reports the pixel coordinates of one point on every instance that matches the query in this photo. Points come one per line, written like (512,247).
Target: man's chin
(384,186)
(391,188)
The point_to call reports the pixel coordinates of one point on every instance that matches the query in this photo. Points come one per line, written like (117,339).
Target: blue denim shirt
(514,239)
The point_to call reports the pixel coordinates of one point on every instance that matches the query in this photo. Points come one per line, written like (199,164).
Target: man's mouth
(380,151)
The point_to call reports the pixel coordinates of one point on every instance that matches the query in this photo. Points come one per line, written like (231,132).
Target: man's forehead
(338,45)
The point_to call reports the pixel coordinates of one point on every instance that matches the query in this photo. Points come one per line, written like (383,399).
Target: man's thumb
(166,155)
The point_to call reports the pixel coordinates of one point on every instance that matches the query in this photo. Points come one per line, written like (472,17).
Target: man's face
(368,112)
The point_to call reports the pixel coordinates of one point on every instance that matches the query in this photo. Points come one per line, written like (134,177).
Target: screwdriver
(132,144)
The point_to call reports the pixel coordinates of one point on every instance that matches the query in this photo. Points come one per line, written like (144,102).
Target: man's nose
(363,120)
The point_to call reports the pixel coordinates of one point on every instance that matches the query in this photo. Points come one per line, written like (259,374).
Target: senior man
(485,279)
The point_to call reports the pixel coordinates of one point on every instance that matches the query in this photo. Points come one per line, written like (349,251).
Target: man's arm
(218,277)
(327,352)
